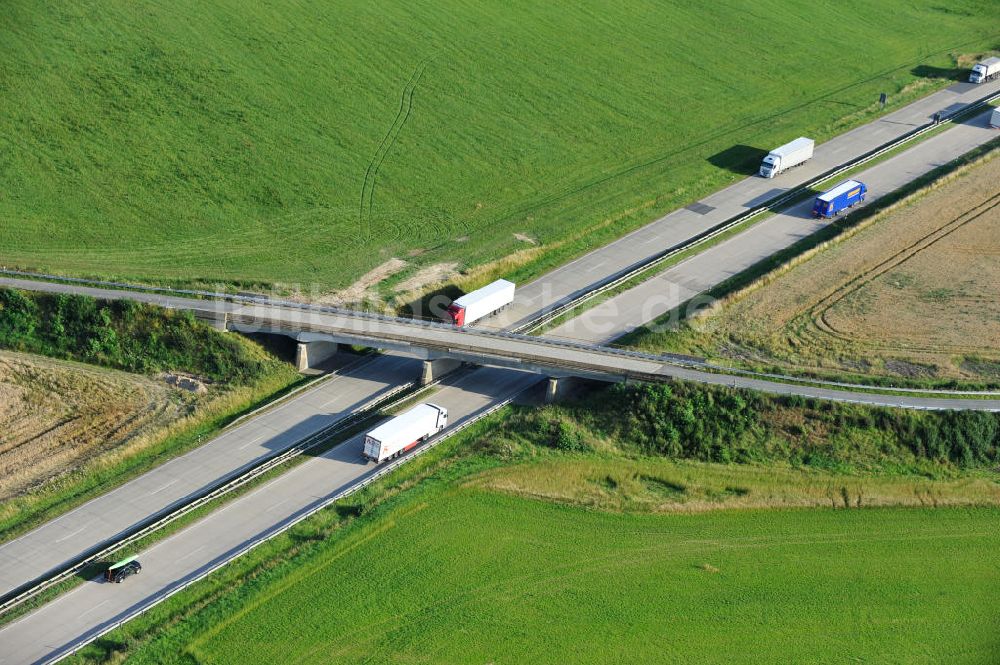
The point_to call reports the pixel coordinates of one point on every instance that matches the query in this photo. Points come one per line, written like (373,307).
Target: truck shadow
(431,306)
(740,159)
(93,571)
(946,73)
(803,205)
(765,197)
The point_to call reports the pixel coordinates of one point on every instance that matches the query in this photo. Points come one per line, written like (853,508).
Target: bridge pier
(217,320)
(552,389)
(310,354)
(435,369)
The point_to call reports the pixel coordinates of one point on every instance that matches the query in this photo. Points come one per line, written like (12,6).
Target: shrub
(127,335)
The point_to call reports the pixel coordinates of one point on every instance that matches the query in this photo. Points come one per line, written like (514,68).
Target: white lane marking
(164,487)
(275,505)
(86,612)
(252,441)
(70,535)
(191,553)
(595,266)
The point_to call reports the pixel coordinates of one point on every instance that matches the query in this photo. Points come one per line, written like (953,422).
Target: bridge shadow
(739,159)
(281,346)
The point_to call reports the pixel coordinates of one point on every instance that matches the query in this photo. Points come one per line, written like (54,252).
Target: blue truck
(845,195)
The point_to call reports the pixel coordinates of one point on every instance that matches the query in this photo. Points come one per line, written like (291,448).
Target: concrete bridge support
(435,369)
(310,354)
(552,389)
(218,320)
(558,387)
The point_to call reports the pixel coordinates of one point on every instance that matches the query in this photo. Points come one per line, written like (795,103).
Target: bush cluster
(123,334)
(715,424)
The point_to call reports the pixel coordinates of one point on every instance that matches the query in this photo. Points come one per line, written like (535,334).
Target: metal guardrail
(520,332)
(368,480)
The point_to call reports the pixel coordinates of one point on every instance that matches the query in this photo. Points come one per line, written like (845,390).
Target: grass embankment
(919,310)
(440,133)
(467,565)
(236,374)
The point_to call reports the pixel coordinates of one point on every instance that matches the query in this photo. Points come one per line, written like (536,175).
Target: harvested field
(56,415)
(913,295)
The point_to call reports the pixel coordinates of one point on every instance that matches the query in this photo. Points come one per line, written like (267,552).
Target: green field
(293,142)
(540,535)
(477,578)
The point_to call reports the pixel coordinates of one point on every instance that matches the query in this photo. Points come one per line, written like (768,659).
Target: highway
(78,614)
(90,608)
(678,284)
(106,517)
(593,269)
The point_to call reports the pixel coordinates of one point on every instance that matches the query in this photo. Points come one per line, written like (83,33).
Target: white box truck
(405,431)
(987,70)
(995,119)
(791,154)
(474,306)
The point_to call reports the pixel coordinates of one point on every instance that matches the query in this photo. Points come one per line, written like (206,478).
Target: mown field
(310,143)
(54,416)
(477,577)
(910,295)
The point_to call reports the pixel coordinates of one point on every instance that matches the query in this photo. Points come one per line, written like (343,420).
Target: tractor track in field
(367,202)
(819,312)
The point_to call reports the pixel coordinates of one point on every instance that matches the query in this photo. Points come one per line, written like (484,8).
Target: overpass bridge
(442,346)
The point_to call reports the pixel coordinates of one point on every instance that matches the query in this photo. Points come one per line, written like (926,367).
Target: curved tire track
(367,202)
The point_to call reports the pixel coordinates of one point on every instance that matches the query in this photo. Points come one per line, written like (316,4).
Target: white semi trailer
(987,70)
(791,154)
(473,306)
(405,431)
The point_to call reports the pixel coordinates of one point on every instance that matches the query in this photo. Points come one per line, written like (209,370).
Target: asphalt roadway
(161,489)
(74,617)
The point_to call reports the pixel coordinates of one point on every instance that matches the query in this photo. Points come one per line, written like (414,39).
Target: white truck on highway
(481,302)
(791,154)
(987,70)
(405,431)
